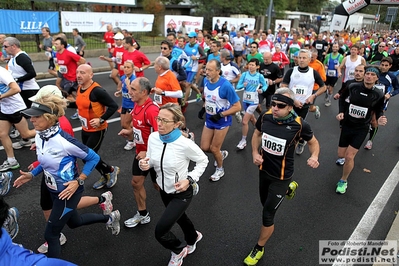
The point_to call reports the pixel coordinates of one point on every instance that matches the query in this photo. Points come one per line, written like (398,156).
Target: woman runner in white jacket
(170,154)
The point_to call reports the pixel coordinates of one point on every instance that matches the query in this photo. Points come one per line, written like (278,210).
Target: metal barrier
(93,40)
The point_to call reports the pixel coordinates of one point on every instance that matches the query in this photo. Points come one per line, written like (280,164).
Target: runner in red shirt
(139,59)
(108,39)
(117,58)
(68,63)
(144,114)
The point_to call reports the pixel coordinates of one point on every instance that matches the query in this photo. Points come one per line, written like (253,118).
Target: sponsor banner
(349,252)
(384,2)
(97,22)
(352,6)
(338,23)
(236,22)
(191,23)
(282,24)
(27,22)
(104,2)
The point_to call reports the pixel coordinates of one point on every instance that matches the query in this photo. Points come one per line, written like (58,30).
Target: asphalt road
(228,212)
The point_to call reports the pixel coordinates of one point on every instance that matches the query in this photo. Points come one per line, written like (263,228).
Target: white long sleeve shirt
(171,161)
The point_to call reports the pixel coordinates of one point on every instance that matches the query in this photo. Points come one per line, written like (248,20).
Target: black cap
(37,109)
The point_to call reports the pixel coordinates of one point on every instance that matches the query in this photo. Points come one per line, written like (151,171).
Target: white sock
(11,159)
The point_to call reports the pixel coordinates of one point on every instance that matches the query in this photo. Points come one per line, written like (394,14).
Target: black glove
(201,113)
(216,117)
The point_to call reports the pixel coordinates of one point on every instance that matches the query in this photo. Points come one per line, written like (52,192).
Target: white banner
(280,23)
(352,6)
(338,23)
(192,23)
(236,22)
(97,22)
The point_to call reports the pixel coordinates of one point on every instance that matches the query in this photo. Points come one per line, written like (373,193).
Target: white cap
(119,36)
(47,90)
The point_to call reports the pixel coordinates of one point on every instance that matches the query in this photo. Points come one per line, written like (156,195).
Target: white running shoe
(219,173)
(177,259)
(22,143)
(138,219)
(130,145)
(368,145)
(241,145)
(238,117)
(224,156)
(14,133)
(44,247)
(114,225)
(191,248)
(107,206)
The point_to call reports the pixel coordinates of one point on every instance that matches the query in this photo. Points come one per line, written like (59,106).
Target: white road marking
(370,217)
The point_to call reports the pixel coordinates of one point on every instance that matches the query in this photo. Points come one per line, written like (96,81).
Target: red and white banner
(191,23)
(353,6)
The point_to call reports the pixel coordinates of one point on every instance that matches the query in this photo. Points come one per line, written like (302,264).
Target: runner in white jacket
(170,154)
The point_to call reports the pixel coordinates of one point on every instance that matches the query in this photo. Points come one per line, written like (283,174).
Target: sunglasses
(279,105)
(164,48)
(381,46)
(6,46)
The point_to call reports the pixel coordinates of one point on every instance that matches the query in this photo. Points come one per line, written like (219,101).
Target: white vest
(302,84)
(350,67)
(17,71)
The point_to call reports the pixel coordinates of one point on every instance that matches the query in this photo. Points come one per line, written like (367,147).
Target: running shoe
(291,190)
(22,143)
(368,145)
(191,136)
(114,224)
(100,183)
(9,166)
(11,222)
(254,256)
(112,177)
(14,133)
(75,116)
(195,188)
(138,219)
(328,102)
(5,182)
(300,147)
(241,145)
(44,247)
(130,145)
(340,161)
(224,156)
(177,259)
(317,113)
(107,206)
(341,187)
(238,117)
(191,248)
(219,173)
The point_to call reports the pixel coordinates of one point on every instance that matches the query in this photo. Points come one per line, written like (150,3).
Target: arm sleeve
(317,78)
(91,161)
(26,63)
(240,83)
(263,82)
(100,95)
(306,132)
(342,98)
(195,154)
(287,76)
(37,170)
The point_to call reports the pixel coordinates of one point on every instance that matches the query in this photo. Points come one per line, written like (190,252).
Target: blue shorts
(190,76)
(249,107)
(221,124)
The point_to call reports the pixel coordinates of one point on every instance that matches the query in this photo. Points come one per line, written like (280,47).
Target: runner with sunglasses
(277,132)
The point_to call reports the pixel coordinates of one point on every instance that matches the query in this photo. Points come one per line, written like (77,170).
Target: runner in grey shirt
(80,44)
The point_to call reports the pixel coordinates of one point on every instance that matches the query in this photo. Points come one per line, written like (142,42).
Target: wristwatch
(190,180)
(80,181)
(141,70)
(102,121)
